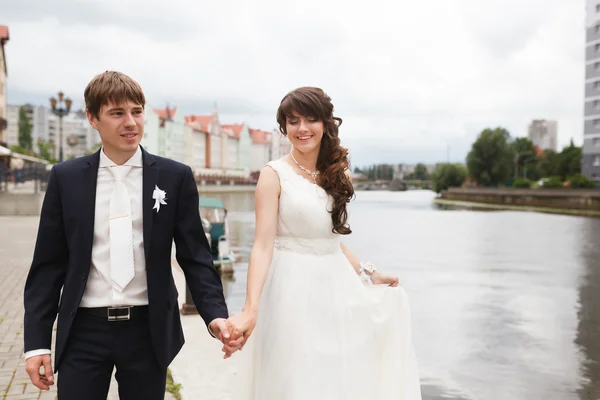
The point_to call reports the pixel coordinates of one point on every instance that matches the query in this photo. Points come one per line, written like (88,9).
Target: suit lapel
(150,180)
(87,188)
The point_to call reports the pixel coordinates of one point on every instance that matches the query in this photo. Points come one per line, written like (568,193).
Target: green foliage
(379,171)
(172,387)
(448,175)
(46,151)
(553,182)
(16,148)
(420,173)
(522,183)
(579,181)
(525,159)
(569,161)
(97,147)
(548,163)
(25,128)
(490,159)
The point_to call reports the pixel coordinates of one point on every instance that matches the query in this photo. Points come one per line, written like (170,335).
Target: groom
(102,260)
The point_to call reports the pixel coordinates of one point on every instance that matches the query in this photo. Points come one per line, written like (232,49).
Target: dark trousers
(95,346)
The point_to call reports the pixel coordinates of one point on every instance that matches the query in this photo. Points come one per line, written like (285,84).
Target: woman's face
(305,133)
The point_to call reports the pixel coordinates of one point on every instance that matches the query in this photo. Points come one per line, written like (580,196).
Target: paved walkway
(17,239)
(200,367)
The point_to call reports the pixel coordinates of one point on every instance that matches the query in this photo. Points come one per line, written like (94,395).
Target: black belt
(121,313)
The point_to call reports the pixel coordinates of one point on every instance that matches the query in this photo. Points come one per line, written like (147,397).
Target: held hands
(220,327)
(32,366)
(240,329)
(234,332)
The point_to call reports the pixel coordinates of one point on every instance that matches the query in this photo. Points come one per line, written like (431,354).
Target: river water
(505,304)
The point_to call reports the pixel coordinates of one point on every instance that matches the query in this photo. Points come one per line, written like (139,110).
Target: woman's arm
(352,258)
(266,209)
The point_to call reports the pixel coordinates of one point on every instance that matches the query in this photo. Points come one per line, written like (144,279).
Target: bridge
(393,185)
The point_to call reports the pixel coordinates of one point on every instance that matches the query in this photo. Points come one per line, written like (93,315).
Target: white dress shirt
(100,291)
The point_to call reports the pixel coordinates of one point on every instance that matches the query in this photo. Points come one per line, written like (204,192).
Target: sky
(413,81)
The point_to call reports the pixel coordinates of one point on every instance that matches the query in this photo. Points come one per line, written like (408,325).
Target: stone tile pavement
(17,240)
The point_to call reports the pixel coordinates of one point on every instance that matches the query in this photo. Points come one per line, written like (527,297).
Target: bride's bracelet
(364,268)
(367,266)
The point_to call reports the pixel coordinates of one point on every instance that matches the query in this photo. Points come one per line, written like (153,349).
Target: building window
(597,123)
(596,142)
(597,7)
(597,161)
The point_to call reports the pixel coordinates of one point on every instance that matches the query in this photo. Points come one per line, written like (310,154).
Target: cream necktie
(121,230)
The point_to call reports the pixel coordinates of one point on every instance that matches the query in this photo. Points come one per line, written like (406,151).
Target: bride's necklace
(313,175)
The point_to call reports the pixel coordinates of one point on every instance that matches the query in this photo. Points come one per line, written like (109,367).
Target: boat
(214,220)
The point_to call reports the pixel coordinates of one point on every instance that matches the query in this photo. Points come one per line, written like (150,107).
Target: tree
(97,147)
(17,148)
(526,160)
(25,139)
(579,181)
(448,175)
(548,165)
(46,150)
(490,158)
(421,172)
(569,161)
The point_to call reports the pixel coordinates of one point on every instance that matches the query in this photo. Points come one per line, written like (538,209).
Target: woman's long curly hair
(332,161)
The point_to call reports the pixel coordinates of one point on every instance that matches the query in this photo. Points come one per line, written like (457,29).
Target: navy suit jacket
(63,252)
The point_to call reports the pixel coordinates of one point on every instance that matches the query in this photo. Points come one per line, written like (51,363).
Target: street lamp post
(60,108)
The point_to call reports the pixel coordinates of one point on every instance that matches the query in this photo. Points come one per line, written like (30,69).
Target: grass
(173,387)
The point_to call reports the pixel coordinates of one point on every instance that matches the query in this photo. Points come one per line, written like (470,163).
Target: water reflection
(588,329)
(506,305)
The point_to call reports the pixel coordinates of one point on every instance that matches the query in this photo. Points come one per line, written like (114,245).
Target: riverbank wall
(560,201)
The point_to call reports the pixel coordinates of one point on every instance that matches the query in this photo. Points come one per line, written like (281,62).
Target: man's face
(121,127)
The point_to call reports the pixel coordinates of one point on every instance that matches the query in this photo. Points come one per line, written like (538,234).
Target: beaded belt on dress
(306,245)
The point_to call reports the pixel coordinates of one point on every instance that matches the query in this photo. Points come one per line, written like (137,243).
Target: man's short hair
(114,87)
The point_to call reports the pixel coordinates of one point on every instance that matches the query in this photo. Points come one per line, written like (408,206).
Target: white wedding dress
(321,333)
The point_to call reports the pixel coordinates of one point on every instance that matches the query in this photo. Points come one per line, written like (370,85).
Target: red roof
(236,129)
(167,111)
(538,151)
(3,33)
(260,137)
(200,122)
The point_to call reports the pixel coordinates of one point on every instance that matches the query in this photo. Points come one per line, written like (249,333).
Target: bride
(317,323)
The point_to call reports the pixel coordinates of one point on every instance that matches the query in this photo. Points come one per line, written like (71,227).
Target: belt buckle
(116,317)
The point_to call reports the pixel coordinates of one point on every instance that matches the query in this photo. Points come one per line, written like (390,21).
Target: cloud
(402,74)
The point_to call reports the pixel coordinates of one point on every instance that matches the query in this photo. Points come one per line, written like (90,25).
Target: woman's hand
(240,325)
(380,279)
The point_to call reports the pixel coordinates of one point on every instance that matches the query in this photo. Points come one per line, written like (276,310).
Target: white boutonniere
(159,196)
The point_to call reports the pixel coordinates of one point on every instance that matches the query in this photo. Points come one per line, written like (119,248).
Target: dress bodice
(304,221)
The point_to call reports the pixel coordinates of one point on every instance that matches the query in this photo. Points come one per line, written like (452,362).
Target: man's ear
(91,119)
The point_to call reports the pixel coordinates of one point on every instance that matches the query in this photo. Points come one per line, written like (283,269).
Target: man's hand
(221,329)
(240,328)
(32,366)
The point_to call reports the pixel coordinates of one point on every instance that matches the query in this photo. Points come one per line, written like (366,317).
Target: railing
(32,178)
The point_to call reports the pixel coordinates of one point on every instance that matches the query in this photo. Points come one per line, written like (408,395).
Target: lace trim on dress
(309,246)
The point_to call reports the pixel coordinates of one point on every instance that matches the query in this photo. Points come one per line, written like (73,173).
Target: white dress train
(321,333)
